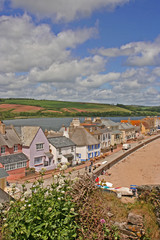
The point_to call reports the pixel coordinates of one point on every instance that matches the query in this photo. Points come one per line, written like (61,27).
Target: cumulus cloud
(65,10)
(139,53)
(24,45)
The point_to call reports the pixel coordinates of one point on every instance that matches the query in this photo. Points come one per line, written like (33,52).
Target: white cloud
(23,45)
(65,10)
(139,53)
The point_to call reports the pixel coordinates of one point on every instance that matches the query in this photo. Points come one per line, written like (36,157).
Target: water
(55,123)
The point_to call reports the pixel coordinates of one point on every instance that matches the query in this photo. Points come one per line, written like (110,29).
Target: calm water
(54,123)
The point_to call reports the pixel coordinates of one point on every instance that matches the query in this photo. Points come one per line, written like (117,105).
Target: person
(86,168)
(111,148)
(90,168)
(97,180)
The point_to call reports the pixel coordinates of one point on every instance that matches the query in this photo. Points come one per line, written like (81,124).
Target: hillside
(23,108)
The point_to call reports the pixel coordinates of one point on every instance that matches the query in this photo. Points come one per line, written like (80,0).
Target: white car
(126,146)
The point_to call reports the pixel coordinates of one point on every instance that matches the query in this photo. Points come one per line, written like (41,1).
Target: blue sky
(105,51)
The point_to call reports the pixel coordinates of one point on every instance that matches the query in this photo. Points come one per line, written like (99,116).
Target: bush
(47,213)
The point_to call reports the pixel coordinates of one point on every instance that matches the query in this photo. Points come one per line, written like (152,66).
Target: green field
(68,109)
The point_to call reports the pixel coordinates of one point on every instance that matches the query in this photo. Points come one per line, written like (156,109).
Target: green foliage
(47,213)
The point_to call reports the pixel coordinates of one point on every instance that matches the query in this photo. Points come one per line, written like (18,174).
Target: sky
(104,51)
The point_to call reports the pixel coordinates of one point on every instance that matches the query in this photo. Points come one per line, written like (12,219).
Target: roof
(125,126)
(60,142)
(10,138)
(27,134)
(3,173)
(83,138)
(133,122)
(109,123)
(13,158)
(5,197)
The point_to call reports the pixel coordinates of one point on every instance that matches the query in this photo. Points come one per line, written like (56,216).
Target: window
(72,148)
(39,146)
(38,160)
(3,150)
(15,148)
(13,166)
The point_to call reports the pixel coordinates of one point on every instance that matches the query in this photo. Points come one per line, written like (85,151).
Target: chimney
(2,128)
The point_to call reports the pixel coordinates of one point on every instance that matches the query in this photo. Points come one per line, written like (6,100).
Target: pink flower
(102,221)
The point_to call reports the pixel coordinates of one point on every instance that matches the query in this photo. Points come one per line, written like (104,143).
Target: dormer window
(15,148)
(3,150)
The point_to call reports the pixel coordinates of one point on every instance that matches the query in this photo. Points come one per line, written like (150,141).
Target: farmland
(24,108)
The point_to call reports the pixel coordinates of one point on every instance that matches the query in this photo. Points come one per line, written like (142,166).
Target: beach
(139,168)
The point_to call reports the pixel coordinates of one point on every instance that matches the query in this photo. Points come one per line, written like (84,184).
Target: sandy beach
(141,167)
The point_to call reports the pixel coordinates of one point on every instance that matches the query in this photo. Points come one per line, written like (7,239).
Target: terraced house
(36,147)
(12,159)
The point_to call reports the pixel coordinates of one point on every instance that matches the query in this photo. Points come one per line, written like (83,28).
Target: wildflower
(22,199)
(22,208)
(5,225)
(49,209)
(4,211)
(4,219)
(59,198)
(62,191)
(29,205)
(72,209)
(102,221)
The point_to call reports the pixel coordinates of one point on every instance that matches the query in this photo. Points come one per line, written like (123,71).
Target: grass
(90,109)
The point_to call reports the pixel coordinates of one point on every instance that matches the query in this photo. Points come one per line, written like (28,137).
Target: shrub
(47,213)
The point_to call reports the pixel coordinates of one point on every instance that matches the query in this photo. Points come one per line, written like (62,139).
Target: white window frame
(12,166)
(15,148)
(38,160)
(39,146)
(3,150)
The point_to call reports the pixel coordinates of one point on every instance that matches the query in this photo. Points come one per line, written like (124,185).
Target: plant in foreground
(47,213)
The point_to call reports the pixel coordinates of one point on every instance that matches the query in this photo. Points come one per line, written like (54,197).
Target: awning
(48,154)
(70,155)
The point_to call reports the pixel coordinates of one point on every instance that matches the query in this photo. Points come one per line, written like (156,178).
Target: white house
(63,150)
(87,146)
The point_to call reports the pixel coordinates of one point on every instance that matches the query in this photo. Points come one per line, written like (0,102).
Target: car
(104,162)
(126,146)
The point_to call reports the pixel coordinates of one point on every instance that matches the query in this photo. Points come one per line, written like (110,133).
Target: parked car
(126,146)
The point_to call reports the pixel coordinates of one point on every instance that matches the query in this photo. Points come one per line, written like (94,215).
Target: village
(27,150)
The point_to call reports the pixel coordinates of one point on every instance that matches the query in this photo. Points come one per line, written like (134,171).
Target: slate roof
(10,138)
(125,126)
(13,158)
(109,123)
(27,134)
(3,173)
(60,142)
(4,196)
(83,138)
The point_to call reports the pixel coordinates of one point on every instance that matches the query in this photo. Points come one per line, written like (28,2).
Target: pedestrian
(90,168)
(111,148)
(86,168)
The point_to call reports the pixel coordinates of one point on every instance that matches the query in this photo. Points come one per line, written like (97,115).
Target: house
(11,157)
(87,146)
(116,136)
(143,126)
(128,131)
(35,146)
(100,132)
(63,149)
